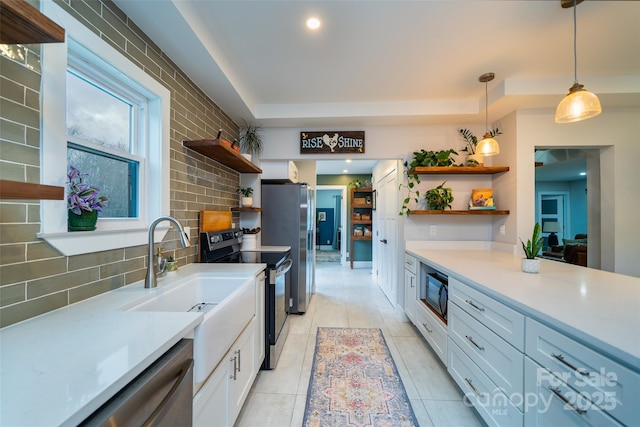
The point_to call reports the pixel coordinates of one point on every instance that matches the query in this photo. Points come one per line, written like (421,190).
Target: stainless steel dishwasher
(161,396)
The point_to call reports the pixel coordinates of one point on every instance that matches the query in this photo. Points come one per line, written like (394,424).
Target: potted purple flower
(83,202)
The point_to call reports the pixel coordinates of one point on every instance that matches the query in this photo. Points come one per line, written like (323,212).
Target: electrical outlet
(433,230)
(503,230)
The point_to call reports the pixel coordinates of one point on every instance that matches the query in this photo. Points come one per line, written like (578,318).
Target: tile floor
(350,298)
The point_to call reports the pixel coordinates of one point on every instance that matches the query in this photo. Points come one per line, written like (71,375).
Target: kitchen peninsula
(509,332)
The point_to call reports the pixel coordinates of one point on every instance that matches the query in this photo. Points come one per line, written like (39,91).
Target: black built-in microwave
(437,293)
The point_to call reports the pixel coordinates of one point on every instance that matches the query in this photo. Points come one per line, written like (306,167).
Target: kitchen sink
(227,303)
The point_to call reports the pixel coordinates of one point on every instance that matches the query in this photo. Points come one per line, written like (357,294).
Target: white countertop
(599,308)
(268,249)
(58,368)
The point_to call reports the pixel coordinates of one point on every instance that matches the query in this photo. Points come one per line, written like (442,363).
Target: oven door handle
(284,268)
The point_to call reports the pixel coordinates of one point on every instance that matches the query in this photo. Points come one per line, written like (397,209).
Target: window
(107,117)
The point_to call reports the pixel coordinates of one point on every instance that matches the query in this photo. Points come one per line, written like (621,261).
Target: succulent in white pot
(531,264)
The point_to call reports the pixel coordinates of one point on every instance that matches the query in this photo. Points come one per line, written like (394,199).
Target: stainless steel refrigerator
(288,220)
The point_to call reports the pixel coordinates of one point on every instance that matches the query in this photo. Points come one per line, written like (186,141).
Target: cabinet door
(211,403)
(260,321)
(410,294)
(243,372)
(550,402)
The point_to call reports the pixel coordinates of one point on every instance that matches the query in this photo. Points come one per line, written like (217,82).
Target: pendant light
(487,145)
(579,104)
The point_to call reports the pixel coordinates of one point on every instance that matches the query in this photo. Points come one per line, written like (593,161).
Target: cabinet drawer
(490,402)
(433,330)
(586,371)
(502,363)
(507,323)
(551,402)
(410,263)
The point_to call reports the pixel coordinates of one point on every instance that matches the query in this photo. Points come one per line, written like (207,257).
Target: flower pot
(171,266)
(86,221)
(477,157)
(531,265)
(247,202)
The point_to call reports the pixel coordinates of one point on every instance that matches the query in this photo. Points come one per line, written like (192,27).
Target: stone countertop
(599,308)
(58,368)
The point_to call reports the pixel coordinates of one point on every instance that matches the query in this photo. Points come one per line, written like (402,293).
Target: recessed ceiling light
(348,160)
(313,23)
(583,173)
(345,170)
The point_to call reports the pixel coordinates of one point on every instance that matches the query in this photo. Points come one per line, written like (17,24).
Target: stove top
(224,247)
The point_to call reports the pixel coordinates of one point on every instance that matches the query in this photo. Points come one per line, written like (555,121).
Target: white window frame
(111,233)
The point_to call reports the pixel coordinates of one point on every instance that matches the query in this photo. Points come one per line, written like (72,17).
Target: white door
(386,236)
(553,207)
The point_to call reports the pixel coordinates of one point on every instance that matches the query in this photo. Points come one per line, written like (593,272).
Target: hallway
(350,298)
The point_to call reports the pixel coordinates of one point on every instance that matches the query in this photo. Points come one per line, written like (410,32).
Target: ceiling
(393,62)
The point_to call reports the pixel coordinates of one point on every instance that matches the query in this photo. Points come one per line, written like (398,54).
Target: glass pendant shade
(579,104)
(488,146)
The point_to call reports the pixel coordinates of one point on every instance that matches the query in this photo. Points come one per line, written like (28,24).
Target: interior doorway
(331,221)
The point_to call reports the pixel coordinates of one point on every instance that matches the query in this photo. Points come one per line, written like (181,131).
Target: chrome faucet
(151,280)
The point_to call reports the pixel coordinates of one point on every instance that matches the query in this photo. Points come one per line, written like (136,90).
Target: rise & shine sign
(334,142)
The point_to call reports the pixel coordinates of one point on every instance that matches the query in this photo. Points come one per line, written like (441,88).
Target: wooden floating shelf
(220,152)
(452,212)
(361,237)
(21,23)
(362,221)
(362,206)
(457,170)
(27,190)
(246,209)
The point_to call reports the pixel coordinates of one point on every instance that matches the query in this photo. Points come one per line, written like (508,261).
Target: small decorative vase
(531,265)
(171,266)
(247,202)
(477,157)
(86,221)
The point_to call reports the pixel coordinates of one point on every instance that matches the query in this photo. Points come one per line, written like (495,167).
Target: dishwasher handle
(167,403)
(284,268)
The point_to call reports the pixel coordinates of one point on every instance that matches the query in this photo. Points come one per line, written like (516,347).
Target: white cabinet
(432,329)
(279,170)
(220,399)
(609,385)
(410,286)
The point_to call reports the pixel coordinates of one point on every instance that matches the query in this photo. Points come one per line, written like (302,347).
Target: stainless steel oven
(224,247)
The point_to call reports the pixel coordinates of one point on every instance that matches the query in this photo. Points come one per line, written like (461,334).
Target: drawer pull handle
(558,393)
(474,343)
(472,304)
(235,367)
(239,361)
(427,328)
(560,358)
(475,390)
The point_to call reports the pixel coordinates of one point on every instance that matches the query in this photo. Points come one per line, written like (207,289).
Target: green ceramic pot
(84,222)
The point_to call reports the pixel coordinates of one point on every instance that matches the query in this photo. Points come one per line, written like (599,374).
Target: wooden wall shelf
(21,23)
(27,190)
(220,152)
(246,209)
(457,170)
(461,212)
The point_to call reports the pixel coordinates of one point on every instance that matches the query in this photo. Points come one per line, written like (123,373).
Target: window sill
(84,242)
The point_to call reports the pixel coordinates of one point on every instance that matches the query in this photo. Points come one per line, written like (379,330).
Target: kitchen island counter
(58,368)
(598,308)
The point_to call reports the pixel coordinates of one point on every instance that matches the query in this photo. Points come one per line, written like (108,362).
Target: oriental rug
(355,383)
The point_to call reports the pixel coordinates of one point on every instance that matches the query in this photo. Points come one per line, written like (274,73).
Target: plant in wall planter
(473,158)
(83,202)
(247,196)
(439,198)
(531,264)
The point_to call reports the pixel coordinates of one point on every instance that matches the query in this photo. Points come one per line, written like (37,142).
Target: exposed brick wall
(34,277)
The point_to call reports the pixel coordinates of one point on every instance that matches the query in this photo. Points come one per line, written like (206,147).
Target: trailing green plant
(422,158)
(355,183)
(245,191)
(439,198)
(534,245)
(472,140)
(251,139)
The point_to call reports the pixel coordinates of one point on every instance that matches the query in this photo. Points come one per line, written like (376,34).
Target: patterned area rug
(355,383)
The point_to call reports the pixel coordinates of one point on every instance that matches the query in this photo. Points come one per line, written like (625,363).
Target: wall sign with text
(331,142)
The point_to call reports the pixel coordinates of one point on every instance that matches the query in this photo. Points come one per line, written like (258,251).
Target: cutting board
(215,220)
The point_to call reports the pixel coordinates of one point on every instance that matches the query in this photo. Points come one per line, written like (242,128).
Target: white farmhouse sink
(228,304)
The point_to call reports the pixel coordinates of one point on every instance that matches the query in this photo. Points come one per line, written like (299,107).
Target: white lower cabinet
(432,329)
(410,294)
(551,402)
(489,400)
(219,401)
